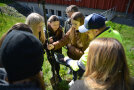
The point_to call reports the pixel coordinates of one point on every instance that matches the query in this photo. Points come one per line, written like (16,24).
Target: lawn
(2,4)
(127,33)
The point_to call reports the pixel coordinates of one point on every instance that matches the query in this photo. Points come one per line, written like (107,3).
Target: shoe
(71,83)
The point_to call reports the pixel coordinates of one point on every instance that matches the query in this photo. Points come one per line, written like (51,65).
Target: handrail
(109,14)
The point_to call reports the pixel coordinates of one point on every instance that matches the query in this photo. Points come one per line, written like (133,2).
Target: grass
(6,22)
(2,4)
(127,33)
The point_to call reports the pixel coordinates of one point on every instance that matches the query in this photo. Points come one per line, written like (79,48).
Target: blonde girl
(36,22)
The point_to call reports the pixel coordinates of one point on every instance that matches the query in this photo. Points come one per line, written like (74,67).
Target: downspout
(128,5)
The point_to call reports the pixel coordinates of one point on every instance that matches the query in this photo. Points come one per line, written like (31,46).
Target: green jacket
(109,33)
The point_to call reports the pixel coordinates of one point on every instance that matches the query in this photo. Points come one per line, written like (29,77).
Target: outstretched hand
(66,58)
(50,46)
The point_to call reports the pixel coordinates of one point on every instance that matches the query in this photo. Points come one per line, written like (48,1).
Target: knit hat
(21,55)
(92,21)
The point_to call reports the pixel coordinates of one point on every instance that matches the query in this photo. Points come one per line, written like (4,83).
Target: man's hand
(66,58)
(50,46)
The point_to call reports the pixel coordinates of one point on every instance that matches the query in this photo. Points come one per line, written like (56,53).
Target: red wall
(131,8)
(120,5)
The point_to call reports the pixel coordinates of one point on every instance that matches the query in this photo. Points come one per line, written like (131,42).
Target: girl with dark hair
(54,34)
(17,26)
(76,42)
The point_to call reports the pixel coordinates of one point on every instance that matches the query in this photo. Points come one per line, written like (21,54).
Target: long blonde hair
(34,19)
(107,65)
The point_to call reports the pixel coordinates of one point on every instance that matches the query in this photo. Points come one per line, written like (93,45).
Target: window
(52,11)
(46,11)
(77,0)
(59,13)
(65,15)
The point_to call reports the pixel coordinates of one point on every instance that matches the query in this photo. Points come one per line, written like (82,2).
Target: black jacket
(67,25)
(19,87)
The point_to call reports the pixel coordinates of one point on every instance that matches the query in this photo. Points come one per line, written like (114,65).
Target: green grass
(2,4)
(6,22)
(48,74)
(127,33)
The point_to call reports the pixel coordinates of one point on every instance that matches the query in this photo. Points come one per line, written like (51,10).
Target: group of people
(94,53)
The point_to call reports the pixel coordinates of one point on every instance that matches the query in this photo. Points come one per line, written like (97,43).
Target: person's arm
(65,27)
(58,44)
(75,64)
(72,63)
(74,51)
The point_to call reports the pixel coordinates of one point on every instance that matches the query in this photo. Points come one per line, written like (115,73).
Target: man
(94,26)
(69,11)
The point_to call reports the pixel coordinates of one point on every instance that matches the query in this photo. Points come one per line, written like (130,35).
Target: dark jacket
(54,36)
(67,25)
(19,87)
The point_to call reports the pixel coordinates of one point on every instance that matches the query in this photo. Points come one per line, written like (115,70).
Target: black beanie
(21,55)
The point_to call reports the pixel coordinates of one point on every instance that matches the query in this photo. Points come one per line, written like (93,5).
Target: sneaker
(71,83)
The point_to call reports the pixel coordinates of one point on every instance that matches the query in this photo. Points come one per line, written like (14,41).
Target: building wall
(49,7)
(121,5)
(59,10)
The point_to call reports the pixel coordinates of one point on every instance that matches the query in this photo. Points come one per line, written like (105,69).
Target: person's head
(106,62)
(77,19)
(93,25)
(21,55)
(71,9)
(54,22)
(35,21)
(17,26)
(21,27)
